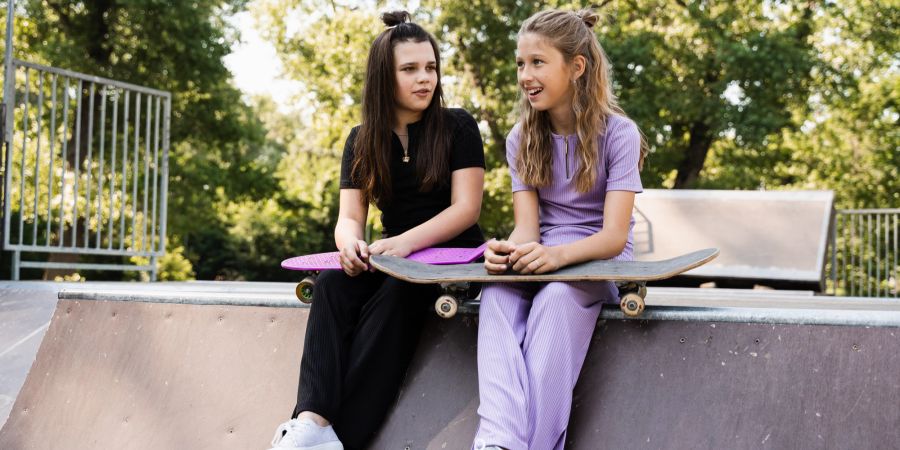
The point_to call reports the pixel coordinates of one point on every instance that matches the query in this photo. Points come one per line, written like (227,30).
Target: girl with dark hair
(423,165)
(574,159)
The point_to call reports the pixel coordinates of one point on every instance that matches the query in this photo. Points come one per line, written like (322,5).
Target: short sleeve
(512,151)
(623,151)
(467,149)
(347,161)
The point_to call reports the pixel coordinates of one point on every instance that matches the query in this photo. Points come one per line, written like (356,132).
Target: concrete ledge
(214,369)
(681,304)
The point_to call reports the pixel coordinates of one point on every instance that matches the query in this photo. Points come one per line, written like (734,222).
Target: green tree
(850,141)
(326,52)
(480,43)
(675,64)
(694,74)
(847,138)
(298,217)
(217,142)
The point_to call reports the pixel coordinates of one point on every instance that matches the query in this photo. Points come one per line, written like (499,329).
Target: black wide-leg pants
(360,337)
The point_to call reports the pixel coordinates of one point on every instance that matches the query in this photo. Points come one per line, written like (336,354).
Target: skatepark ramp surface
(775,238)
(215,366)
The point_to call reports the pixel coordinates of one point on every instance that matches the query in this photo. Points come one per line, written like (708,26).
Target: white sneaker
(304,434)
(480,445)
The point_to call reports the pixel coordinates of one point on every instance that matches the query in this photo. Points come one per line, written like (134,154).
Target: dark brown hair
(372,147)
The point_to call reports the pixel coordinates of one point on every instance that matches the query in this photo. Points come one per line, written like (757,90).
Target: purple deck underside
(435,255)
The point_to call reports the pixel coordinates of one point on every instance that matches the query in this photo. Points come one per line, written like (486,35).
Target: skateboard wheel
(632,304)
(446,306)
(304,290)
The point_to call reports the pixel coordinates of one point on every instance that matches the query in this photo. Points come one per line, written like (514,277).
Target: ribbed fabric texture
(533,337)
(360,338)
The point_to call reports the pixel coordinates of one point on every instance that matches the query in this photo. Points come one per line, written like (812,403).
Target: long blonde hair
(594,102)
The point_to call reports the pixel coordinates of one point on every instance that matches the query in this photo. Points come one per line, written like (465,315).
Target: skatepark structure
(215,365)
(773,238)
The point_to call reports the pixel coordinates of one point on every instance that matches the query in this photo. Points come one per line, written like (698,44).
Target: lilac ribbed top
(567,215)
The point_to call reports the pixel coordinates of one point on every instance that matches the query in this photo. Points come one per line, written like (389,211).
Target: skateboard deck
(434,255)
(632,293)
(602,270)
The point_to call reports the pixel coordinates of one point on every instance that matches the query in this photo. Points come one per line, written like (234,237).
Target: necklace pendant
(406,159)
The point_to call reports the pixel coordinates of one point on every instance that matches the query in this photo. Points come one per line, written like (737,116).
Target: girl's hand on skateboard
(535,258)
(496,256)
(354,258)
(391,247)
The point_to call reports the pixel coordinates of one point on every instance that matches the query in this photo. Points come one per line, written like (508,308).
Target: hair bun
(588,16)
(394,18)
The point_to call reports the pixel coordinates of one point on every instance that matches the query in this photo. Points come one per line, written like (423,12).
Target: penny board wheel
(632,304)
(446,306)
(304,289)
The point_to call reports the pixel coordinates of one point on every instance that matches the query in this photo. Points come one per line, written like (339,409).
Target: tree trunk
(698,146)
(488,115)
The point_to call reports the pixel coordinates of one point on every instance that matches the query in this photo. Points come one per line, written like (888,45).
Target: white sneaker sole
(333,445)
(326,446)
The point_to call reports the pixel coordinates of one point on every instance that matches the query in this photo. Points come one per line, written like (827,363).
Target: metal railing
(864,253)
(81,184)
(642,232)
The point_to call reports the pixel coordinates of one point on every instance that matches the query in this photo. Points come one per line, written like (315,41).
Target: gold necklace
(405,150)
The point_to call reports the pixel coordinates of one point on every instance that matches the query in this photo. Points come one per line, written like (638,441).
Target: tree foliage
(674,65)
(785,94)
(217,141)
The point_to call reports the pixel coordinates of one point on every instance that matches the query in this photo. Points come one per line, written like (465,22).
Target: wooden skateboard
(632,274)
(331,261)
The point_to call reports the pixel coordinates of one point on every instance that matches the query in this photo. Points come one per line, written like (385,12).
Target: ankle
(317,419)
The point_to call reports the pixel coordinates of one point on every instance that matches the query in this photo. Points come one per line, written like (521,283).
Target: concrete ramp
(720,373)
(134,375)
(682,385)
(24,317)
(774,238)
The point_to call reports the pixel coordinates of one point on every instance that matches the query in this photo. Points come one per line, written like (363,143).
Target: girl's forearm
(347,231)
(604,244)
(522,235)
(611,239)
(451,222)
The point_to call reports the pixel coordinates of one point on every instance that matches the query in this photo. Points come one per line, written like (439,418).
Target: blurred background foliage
(730,95)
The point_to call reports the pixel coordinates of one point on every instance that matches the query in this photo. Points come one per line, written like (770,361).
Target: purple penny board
(434,255)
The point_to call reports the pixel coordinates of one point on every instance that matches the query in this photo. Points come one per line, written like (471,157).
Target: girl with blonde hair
(574,159)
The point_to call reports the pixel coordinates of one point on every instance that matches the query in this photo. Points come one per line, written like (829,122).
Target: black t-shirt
(409,206)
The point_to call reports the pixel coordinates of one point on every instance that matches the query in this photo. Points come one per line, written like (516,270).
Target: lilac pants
(532,341)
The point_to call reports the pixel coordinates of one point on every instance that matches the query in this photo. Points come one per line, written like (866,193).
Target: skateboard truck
(446,306)
(631,299)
